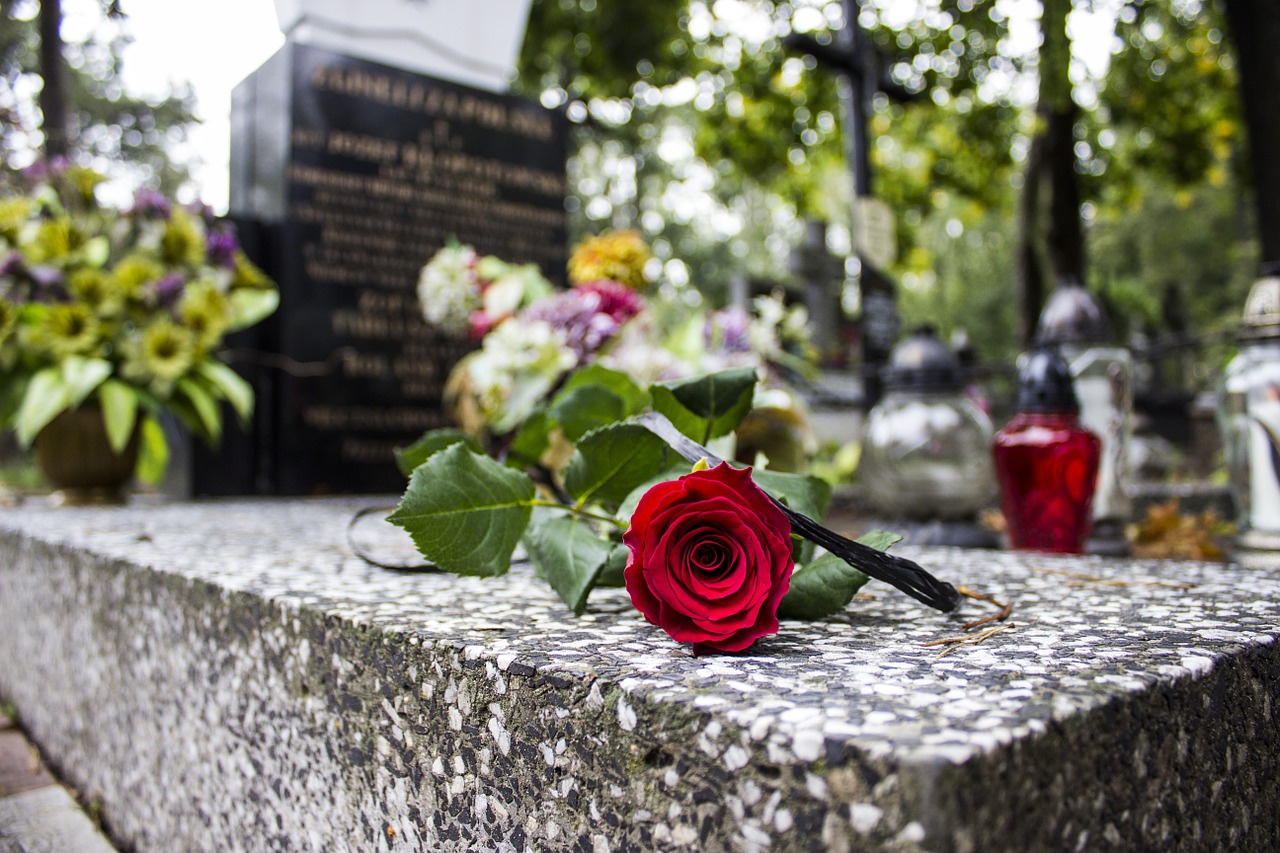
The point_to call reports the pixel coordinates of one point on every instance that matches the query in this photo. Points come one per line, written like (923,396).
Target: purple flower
(727,330)
(13,265)
(42,170)
(221,246)
(169,289)
(151,204)
(51,284)
(579,314)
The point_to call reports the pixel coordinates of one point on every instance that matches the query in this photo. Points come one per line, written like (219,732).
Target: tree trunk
(53,96)
(1050,238)
(1255,31)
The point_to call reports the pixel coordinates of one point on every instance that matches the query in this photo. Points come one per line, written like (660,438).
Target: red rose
(710,559)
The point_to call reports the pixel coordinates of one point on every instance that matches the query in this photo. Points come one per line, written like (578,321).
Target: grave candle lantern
(1102,378)
(1249,414)
(1046,461)
(924,453)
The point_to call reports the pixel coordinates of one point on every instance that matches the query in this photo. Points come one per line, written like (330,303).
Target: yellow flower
(183,241)
(163,354)
(55,239)
(98,290)
(134,272)
(206,312)
(67,329)
(617,255)
(85,181)
(13,213)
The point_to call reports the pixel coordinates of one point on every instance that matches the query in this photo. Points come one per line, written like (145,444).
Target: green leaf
(580,410)
(804,493)
(153,452)
(531,441)
(611,573)
(250,306)
(610,462)
(466,512)
(82,376)
(47,396)
(709,406)
(205,408)
(119,412)
(431,442)
(230,385)
(569,554)
(823,587)
(881,540)
(634,397)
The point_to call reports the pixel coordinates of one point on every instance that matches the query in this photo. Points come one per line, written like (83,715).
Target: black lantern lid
(923,362)
(1044,383)
(1262,307)
(1072,315)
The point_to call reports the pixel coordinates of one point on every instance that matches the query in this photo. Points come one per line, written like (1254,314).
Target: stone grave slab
(228,675)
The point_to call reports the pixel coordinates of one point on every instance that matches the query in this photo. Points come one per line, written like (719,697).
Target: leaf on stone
(580,410)
(611,573)
(822,588)
(430,443)
(610,462)
(569,554)
(707,407)
(827,584)
(634,397)
(465,511)
(881,540)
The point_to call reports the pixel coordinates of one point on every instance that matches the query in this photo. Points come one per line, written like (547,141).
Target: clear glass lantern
(926,445)
(1102,374)
(1249,413)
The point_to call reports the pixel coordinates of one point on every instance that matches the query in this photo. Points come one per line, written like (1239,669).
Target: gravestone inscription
(358,173)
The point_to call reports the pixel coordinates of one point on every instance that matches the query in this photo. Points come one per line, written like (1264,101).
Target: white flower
(519,363)
(447,289)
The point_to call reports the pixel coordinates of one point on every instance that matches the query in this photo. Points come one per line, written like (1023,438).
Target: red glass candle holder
(1047,467)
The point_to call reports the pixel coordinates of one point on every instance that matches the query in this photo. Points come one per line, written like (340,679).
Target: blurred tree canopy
(106,126)
(694,113)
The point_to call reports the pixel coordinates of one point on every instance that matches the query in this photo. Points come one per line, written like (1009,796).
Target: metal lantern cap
(1262,309)
(1045,384)
(923,362)
(1072,315)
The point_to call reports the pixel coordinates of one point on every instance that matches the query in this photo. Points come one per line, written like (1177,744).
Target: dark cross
(851,55)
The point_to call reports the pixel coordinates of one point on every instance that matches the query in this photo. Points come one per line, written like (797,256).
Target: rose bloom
(710,559)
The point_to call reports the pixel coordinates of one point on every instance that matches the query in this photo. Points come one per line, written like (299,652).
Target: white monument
(475,42)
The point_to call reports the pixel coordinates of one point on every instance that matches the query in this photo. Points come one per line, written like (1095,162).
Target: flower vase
(75,456)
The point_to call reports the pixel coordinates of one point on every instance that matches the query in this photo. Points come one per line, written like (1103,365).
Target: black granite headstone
(356,174)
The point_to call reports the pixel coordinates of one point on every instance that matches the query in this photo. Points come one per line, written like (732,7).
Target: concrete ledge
(228,675)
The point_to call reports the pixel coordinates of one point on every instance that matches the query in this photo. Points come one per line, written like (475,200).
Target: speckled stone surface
(229,676)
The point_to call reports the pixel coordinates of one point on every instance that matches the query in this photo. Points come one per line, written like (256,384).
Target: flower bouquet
(603,477)
(119,311)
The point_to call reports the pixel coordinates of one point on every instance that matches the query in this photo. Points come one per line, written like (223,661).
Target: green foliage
(707,407)
(569,554)
(465,511)
(826,585)
(429,444)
